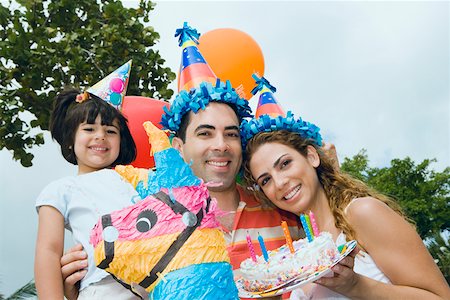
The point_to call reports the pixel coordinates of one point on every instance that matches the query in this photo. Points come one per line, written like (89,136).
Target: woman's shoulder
(365,207)
(368,213)
(371,217)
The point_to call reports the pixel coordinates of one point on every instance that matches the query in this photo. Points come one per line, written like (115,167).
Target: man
(210,139)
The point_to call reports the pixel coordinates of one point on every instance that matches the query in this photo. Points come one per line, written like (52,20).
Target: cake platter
(295,282)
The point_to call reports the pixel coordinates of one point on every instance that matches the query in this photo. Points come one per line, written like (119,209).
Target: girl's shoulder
(74,179)
(61,182)
(58,187)
(102,179)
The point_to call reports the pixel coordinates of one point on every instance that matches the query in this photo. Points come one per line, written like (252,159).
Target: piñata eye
(146,220)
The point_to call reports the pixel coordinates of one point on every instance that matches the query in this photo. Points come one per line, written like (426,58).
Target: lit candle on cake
(287,235)
(263,247)
(312,218)
(250,248)
(305,227)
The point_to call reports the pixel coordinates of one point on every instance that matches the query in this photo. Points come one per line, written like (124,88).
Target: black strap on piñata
(109,246)
(177,208)
(177,244)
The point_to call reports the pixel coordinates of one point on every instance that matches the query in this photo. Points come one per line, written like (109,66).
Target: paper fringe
(199,98)
(266,123)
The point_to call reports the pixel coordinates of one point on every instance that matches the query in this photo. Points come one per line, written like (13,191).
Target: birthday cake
(282,266)
(169,243)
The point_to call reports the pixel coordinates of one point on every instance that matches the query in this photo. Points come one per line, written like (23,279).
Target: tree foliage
(423,193)
(28,291)
(47,45)
(440,250)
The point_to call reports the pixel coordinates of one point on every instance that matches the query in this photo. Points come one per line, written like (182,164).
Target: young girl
(291,172)
(95,136)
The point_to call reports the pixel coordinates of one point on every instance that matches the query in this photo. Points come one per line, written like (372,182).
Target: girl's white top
(82,200)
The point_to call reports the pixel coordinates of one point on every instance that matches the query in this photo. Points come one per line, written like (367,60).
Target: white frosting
(282,265)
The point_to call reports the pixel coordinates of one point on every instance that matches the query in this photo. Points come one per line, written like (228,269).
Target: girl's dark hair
(68,114)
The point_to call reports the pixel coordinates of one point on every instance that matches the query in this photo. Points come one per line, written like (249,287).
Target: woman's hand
(73,269)
(344,278)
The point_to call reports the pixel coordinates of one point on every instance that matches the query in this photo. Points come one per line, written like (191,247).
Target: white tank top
(364,265)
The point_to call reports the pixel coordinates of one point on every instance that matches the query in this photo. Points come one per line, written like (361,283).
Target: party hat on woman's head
(113,87)
(193,69)
(271,117)
(267,104)
(198,86)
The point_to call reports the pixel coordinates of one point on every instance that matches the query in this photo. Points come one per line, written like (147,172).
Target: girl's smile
(96,146)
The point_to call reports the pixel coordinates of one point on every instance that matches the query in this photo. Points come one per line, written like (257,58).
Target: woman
(291,172)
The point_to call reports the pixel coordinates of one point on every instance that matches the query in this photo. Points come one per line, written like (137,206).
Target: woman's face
(286,177)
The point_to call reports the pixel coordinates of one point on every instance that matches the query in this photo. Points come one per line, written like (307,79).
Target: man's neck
(227,200)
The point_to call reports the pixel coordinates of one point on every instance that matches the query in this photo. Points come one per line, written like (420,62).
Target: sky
(372,75)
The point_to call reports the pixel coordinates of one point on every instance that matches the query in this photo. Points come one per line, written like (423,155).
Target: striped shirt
(253,219)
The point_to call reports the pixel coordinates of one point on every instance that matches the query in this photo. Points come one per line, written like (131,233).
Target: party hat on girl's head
(113,87)
(270,117)
(267,104)
(198,86)
(193,69)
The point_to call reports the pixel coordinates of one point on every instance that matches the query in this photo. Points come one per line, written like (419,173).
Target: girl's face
(96,146)
(286,177)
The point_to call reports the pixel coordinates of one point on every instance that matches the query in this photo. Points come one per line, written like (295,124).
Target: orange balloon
(233,55)
(138,110)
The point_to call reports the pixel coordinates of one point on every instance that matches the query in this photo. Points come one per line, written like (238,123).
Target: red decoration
(138,110)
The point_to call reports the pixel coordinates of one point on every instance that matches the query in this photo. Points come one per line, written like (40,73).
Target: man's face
(213,144)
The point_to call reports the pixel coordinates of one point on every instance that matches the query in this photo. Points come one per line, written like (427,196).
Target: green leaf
(93,40)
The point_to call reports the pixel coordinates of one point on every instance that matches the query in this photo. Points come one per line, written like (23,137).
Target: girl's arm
(399,253)
(49,249)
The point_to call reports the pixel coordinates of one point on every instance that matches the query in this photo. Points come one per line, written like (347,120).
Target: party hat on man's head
(267,104)
(113,87)
(193,69)
(271,117)
(198,86)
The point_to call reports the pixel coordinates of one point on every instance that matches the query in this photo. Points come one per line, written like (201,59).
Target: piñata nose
(110,234)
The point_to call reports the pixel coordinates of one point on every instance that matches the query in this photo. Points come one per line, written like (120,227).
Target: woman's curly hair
(340,188)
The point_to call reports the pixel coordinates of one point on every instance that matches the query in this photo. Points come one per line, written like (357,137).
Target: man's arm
(73,264)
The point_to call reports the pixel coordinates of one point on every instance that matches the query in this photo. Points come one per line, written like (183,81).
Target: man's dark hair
(181,133)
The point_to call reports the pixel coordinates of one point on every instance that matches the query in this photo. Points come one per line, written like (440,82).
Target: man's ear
(312,156)
(177,143)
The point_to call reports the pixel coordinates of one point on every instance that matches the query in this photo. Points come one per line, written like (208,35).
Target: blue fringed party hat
(270,117)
